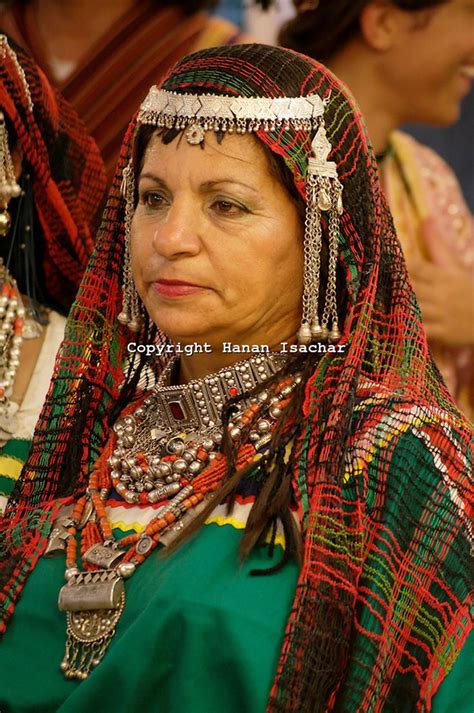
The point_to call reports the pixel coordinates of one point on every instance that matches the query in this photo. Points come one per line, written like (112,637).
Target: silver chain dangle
(324,195)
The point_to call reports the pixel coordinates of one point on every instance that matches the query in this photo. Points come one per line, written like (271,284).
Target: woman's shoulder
(433,182)
(428,159)
(409,429)
(413,458)
(410,406)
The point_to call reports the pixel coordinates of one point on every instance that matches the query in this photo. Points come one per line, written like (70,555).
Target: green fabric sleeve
(456,692)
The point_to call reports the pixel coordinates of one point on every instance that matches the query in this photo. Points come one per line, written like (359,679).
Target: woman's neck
(69,28)
(359,70)
(199,365)
(205,361)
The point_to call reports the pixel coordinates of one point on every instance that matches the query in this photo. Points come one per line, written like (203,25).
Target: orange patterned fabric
(66,173)
(116,73)
(433,223)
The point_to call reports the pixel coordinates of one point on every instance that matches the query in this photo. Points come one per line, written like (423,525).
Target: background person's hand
(446,299)
(444,289)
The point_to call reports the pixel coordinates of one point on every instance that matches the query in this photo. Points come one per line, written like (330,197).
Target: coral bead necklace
(148,461)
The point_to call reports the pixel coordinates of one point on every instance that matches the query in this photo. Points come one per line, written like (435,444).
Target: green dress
(199,633)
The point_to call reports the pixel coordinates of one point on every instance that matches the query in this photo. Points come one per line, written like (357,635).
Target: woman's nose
(179,233)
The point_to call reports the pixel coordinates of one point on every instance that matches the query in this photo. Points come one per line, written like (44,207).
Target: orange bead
(152,528)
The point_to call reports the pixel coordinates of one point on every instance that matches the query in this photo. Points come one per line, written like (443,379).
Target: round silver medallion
(144,545)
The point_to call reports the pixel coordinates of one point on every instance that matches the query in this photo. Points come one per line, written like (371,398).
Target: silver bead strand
(309,241)
(330,307)
(130,314)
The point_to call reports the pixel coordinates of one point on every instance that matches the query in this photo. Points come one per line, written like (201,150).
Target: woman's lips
(176,288)
(466,75)
(467,70)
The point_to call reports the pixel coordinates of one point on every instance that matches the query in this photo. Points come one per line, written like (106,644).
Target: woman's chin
(185,333)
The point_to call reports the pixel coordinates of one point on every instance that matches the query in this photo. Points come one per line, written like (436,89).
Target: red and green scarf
(65,170)
(381,469)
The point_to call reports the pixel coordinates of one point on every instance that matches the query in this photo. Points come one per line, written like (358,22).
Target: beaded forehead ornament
(196,114)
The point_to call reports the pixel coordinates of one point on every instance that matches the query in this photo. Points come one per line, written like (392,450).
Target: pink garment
(434,224)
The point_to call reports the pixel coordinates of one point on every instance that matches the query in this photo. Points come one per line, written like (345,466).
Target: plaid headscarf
(380,464)
(66,172)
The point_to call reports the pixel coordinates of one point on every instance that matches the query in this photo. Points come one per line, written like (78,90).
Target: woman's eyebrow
(204,187)
(210,185)
(152,177)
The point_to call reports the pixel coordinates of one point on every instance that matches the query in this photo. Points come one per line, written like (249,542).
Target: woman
(245,212)
(104,56)
(52,185)
(411,62)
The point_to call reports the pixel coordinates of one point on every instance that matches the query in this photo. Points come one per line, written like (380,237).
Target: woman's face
(432,63)
(217,244)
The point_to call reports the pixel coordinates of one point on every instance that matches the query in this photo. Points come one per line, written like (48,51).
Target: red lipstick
(176,288)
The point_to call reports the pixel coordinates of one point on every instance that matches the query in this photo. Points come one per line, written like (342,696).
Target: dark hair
(189,6)
(321,32)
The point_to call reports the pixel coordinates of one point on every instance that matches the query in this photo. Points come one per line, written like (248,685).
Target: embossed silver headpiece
(206,112)
(195,114)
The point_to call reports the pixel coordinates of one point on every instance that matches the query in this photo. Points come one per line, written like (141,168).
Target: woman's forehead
(237,153)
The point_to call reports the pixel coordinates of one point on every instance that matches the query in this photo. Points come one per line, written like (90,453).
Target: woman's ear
(382,24)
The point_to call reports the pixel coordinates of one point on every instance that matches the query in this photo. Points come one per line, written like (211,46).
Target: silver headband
(210,111)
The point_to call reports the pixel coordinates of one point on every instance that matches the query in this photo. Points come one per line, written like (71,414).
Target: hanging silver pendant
(324,200)
(94,602)
(103,556)
(58,537)
(92,590)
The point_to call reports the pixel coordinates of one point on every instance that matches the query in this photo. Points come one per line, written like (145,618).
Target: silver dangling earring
(9,187)
(310,328)
(130,314)
(324,194)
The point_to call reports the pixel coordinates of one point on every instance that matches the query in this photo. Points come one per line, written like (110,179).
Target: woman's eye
(228,207)
(152,199)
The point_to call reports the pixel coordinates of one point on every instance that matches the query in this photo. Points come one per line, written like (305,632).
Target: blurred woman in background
(411,62)
(104,56)
(52,186)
